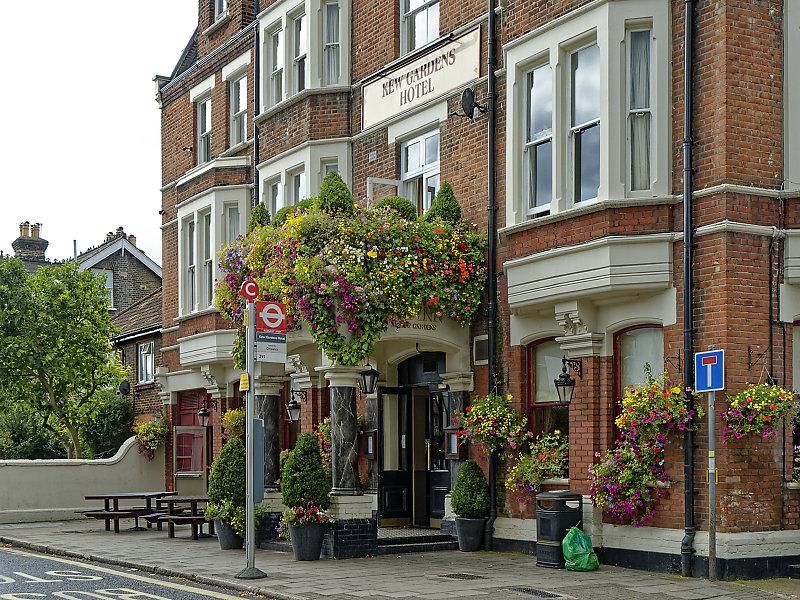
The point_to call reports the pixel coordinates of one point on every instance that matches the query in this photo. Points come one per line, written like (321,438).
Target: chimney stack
(109,236)
(25,229)
(29,245)
(36,228)
(132,239)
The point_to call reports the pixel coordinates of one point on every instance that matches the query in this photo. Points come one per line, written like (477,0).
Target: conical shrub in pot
(227,491)
(470,502)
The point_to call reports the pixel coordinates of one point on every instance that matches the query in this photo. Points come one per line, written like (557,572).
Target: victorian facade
(267,98)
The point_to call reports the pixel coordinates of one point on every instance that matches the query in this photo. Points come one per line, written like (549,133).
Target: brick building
(266,99)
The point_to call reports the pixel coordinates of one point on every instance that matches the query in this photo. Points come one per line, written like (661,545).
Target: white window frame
(299,53)
(206,254)
(190,268)
(425,171)
(406,18)
(791,93)
(108,276)
(530,146)
(145,371)
(294,193)
(276,52)
(630,112)
(203,135)
(333,46)
(233,227)
(238,124)
(220,9)
(327,165)
(578,129)
(606,22)
(273,195)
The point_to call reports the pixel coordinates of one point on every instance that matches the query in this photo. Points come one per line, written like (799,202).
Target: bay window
(232,230)
(539,141)
(419,23)
(420,170)
(272,195)
(300,45)
(297,188)
(638,353)
(331,49)
(585,122)
(238,110)
(203,130)
(639,112)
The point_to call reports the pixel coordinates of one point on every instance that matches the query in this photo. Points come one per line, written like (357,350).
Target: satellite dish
(124,388)
(468,103)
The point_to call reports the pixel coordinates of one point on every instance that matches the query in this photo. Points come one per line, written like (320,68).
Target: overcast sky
(79,137)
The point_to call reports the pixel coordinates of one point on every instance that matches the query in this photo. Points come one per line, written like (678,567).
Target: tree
(55,349)
(110,426)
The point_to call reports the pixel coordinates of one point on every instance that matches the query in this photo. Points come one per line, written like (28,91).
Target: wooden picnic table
(112,511)
(195,517)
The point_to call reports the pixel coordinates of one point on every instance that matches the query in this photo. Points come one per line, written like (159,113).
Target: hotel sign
(439,72)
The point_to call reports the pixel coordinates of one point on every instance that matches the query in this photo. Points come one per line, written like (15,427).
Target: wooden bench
(116,515)
(196,521)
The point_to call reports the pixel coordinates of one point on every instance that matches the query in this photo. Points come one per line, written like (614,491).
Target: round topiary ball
(444,206)
(404,206)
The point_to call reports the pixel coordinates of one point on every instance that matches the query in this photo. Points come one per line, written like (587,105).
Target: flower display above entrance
(351,273)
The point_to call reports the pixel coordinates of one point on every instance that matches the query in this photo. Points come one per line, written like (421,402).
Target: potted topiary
(227,493)
(305,485)
(470,501)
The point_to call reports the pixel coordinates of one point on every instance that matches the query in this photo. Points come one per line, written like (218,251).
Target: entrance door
(438,473)
(394,457)
(189,452)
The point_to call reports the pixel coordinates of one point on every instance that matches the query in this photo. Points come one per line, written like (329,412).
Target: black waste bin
(556,512)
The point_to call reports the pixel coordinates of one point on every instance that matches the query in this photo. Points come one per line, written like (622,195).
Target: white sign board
(271,347)
(439,72)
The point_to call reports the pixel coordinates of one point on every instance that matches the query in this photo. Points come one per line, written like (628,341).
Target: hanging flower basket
(492,422)
(757,410)
(149,436)
(548,459)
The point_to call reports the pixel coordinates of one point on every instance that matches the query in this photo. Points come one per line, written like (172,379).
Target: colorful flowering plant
(548,459)
(349,276)
(625,483)
(149,436)
(757,409)
(233,421)
(655,407)
(306,514)
(492,421)
(323,435)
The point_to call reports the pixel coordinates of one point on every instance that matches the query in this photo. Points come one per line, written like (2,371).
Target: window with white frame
(231,223)
(420,169)
(539,140)
(108,279)
(419,23)
(220,8)
(145,362)
(300,52)
(276,58)
(328,165)
(203,130)
(208,262)
(190,274)
(238,110)
(585,122)
(639,110)
(297,187)
(331,50)
(272,195)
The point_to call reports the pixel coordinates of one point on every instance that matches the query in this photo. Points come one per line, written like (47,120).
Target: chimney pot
(120,231)
(24,230)
(109,236)
(35,230)
(132,239)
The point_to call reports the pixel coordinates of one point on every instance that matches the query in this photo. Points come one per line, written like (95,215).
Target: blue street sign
(709,371)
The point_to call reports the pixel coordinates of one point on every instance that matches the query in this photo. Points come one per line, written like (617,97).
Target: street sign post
(249,291)
(709,376)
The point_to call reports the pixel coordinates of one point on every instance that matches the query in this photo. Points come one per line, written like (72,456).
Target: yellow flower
(676,390)
(372,254)
(509,397)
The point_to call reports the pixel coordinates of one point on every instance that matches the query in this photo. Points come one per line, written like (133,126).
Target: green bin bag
(578,552)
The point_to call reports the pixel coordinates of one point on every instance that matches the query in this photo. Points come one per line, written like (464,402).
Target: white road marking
(168,584)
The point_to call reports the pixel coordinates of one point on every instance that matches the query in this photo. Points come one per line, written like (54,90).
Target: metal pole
(250,572)
(712,489)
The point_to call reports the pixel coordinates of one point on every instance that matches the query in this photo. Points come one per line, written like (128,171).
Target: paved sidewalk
(490,575)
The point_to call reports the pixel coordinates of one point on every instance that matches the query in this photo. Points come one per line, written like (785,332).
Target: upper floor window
(331,50)
(208,262)
(220,8)
(203,130)
(419,23)
(276,66)
(420,170)
(300,45)
(190,275)
(145,362)
(239,110)
(639,111)
(232,230)
(108,279)
(585,122)
(539,140)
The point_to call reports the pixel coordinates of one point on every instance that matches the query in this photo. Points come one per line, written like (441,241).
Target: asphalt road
(28,576)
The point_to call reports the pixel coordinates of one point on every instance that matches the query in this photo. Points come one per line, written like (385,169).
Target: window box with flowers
(545,462)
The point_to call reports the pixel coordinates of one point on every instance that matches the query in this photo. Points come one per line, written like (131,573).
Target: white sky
(80,148)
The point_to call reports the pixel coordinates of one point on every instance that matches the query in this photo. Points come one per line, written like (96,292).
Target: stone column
(268,401)
(344,429)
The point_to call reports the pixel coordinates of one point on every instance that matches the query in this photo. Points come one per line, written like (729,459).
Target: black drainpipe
(256,104)
(687,544)
(491,275)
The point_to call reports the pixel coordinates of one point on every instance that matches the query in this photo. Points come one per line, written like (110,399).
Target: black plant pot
(470,534)
(227,536)
(307,540)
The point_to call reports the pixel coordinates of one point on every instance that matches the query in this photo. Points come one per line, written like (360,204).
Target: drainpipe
(491,275)
(687,544)
(256,103)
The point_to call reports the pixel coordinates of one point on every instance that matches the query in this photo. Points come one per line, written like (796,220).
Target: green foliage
(150,435)
(404,206)
(55,353)
(233,422)
(110,426)
(21,437)
(547,459)
(228,472)
(317,230)
(444,206)
(227,512)
(259,216)
(303,207)
(334,197)
(470,498)
(303,475)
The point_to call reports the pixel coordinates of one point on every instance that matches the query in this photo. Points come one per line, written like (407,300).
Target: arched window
(634,349)
(545,414)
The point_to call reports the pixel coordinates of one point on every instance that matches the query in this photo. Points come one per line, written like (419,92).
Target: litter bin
(556,512)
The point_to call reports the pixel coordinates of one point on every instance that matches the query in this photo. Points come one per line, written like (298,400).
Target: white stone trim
(341,376)
(221,20)
(221,162)
(417,122)
(121,245)
(236,67)
(202,88)
(351,507)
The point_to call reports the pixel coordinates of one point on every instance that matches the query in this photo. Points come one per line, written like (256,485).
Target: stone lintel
(341,376)
(459,381)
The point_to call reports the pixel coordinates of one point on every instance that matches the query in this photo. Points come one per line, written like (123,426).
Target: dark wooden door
(394,457)
(438,472)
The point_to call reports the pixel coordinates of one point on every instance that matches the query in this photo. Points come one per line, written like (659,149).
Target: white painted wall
(52,490)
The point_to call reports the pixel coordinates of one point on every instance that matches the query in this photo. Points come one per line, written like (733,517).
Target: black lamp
(565,385)
(369,379)
(204,414)
(293,407)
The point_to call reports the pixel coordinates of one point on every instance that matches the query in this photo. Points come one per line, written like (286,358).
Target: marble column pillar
(343,382)
(267,405)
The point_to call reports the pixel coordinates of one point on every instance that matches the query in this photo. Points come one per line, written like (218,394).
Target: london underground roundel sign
(249,290)
(270,317)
